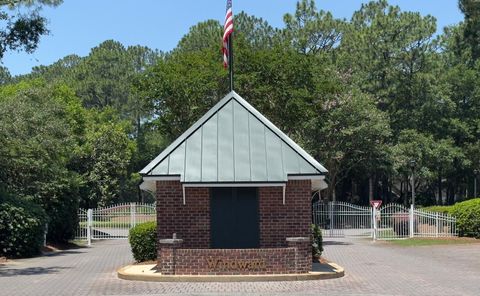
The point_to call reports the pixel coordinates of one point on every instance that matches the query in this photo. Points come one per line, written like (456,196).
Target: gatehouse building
(233,196)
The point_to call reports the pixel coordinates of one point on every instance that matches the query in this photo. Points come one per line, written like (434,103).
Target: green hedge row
(467,214)
(22,227)
(439,209)
(142,240)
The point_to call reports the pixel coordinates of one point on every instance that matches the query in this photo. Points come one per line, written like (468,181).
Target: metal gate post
(132,214)
(374,217)
(410,220)
(436,224)
(89,226)
(330,215)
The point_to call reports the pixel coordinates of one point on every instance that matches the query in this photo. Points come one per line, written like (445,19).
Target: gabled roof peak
(233,142)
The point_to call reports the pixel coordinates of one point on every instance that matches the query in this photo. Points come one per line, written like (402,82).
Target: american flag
(227,32)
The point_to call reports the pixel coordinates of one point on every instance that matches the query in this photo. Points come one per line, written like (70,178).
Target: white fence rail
(429,224)
(112,222)
(392,221)
(338,219)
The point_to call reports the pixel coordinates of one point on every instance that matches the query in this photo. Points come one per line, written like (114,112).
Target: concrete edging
(146,273)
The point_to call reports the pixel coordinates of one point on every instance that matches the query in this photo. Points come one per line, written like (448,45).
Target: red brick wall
(303,255)
(191,222)
(279,221)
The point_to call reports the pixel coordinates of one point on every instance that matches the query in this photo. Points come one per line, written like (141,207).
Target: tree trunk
(370,188)
(401,190)
(331,187)
(407,186)
(439,197)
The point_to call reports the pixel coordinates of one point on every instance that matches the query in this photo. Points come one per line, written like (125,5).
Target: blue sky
(78,25)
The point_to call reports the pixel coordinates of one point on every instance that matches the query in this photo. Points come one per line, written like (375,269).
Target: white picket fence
(112,222)
(391,221)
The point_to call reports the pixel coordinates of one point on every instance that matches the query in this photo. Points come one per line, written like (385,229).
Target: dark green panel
(234,220)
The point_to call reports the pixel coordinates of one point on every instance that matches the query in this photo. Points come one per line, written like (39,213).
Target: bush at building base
(142,240)
(22,228)
(317,242)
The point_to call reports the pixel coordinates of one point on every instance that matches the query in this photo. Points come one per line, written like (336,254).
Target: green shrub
(22,227)
(63,218)
(142,240)
(317,242)
(468,217)
(439,209)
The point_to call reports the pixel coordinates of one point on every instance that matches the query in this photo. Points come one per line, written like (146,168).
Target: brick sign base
(292,259)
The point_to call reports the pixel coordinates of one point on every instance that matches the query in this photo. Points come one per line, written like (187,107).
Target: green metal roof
(233,142)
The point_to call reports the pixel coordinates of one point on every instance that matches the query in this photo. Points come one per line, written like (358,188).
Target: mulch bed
(145,262)
(60,247)
(320,260)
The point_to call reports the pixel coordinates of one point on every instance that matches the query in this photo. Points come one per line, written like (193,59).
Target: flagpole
(230,59)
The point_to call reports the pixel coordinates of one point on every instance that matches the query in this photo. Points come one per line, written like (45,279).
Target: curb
(137,273)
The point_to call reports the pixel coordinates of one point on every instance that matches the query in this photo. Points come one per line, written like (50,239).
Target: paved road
(371,269)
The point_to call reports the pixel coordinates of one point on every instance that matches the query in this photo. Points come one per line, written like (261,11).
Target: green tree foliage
(359,94)
(365,96)
(109,153)
(182,87)
(59,154)
(311,31)
(22,31)
(5,76)
(35,147)
(205,35)
(256,31)
(390,48)
(471,34)
(350,134)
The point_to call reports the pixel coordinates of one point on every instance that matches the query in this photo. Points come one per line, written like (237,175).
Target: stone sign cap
(171,241)
(297,239)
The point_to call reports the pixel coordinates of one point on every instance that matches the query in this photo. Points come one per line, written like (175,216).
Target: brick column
(303,253)
(167,252)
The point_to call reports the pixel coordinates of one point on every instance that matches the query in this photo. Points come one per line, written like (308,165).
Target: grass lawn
(416,242)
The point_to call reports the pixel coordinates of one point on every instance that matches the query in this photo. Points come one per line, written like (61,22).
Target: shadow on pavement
(7,272)
(319,267)
(62,253)
(336,243)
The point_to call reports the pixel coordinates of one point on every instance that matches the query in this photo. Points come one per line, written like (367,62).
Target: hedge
(468,217)
(142,240)
(439,209)
(467,214)
(22,227)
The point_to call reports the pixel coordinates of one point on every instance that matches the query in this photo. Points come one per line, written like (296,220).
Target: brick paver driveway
(371,269)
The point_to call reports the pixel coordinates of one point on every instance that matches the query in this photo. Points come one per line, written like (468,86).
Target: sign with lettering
(236,264)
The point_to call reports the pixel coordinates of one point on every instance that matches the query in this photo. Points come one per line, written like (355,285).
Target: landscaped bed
(416,242)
